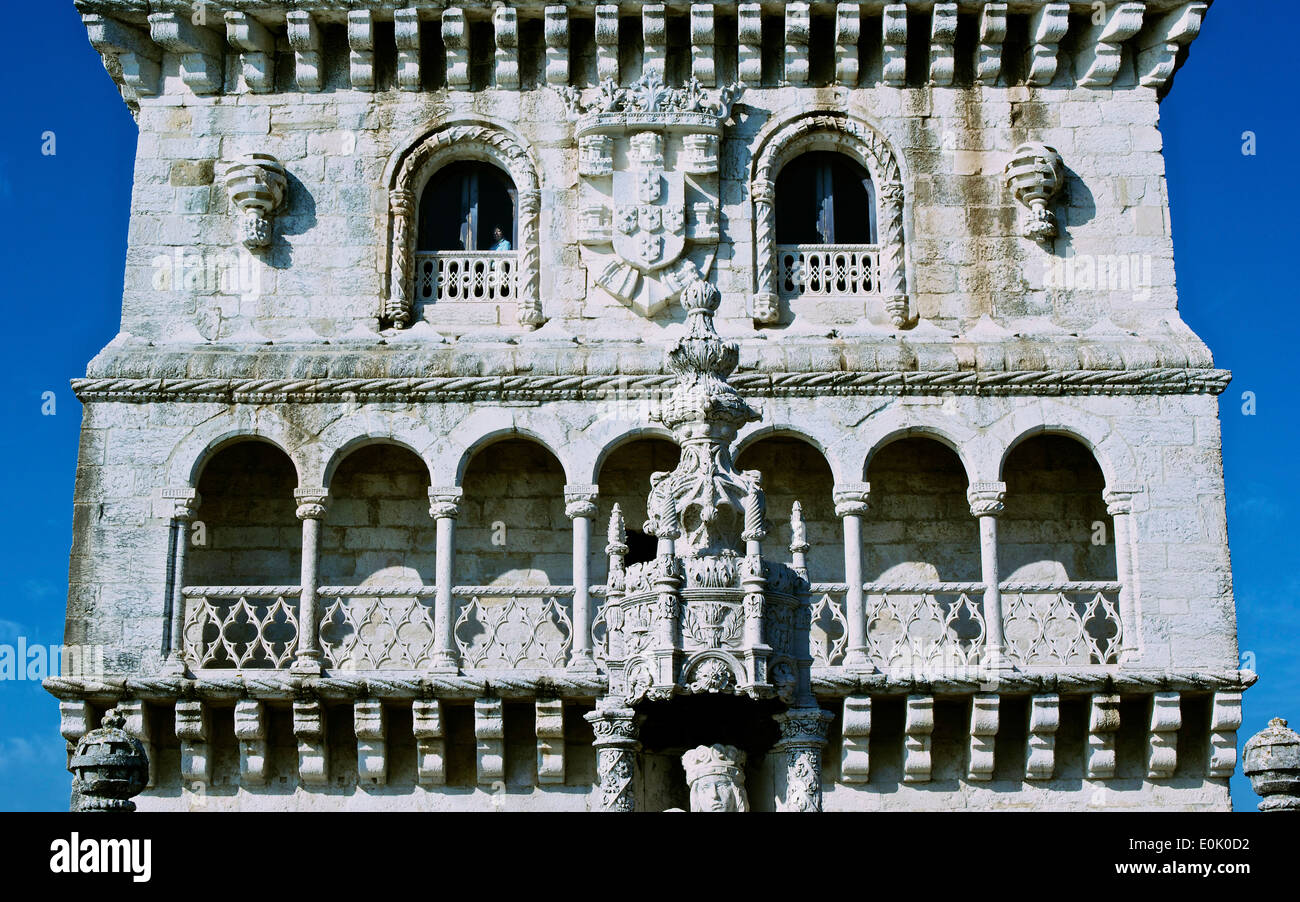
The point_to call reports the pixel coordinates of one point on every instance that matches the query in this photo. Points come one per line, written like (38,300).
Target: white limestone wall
(324,276)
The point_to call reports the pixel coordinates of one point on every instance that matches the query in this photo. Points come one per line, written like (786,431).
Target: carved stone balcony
(703,625)
(936,626)
(828,270)
(464,276)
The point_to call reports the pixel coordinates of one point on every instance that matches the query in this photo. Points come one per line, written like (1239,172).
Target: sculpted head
(716,774)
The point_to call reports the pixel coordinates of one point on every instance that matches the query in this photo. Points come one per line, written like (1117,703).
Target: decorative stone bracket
(257,184)
(1035,175)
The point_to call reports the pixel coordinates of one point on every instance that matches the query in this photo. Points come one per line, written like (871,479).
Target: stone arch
(754,433)
(454,142)
(1112,453)
(827,130)
(796,467)
(346,435)
(605,448)
(958,435)
(490,426)
(186,460)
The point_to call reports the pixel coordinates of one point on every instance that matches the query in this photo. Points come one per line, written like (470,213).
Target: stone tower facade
(512,399)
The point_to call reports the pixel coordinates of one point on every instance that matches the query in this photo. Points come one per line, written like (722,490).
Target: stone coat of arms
(648,230)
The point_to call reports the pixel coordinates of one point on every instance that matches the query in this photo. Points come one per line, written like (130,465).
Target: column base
(582,662)
(175,666)
(858,659)
(307,666)
(444,662)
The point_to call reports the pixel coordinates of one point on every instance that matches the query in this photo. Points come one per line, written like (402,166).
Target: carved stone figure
(716,775)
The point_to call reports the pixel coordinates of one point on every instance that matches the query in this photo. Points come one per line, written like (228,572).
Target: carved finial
(798,530)
(617,535)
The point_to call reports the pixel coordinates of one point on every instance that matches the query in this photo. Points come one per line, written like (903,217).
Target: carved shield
(625,215)
(650,218)
(649,234)
(674,219)
(649,185)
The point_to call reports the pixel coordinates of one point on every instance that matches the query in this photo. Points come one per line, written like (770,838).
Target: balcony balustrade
(466,276)
(828,270)
(393,628)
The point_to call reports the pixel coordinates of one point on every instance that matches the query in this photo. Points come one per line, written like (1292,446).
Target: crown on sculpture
(714,761)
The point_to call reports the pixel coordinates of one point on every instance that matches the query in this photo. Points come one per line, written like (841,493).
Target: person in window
(499,240)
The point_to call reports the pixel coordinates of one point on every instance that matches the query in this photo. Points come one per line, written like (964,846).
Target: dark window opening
(824,198)
(640,547)
(463,206)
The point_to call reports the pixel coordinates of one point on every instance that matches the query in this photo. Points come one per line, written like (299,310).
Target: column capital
(803,726)
(1119,498)
(444,501)
(312,501)
(851,498)
(986,498)
(580,500)
(615,727)
(183,500)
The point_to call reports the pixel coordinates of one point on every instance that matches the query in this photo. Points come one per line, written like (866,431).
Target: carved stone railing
(364,628)
(828,270)
(1071,623)
(466,276)
(924,625)
(508,627)
(239,627)
(377,627)
(829,627)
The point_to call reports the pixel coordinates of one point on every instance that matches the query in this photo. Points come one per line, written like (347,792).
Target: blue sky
(64,245)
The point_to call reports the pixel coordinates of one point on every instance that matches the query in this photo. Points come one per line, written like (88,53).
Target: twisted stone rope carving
(465,142)
(827,683)
(1157,381)
(833,682)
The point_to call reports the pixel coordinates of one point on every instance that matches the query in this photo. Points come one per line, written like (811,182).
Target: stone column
(986,503)
(580,507)
(311,511)
(618,751)
(803,736)
(1119,505)
(185,506)
(851,505)
(444,507)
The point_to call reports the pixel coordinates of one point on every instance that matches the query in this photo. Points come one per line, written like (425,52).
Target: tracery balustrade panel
(925,626)
(377,627)
(241,627)
(466,276)
(1070,623)
(829,627)
(509,627)
(828,270)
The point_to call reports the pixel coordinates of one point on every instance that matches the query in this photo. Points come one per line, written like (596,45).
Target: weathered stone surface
(995,461)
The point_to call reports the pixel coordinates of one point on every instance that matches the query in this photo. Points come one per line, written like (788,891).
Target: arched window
(448,196)
(466,238)
(828,223)
(468,206)
(824,197)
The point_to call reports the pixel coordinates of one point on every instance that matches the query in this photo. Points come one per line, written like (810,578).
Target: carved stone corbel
(1035,175)
(256,183)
